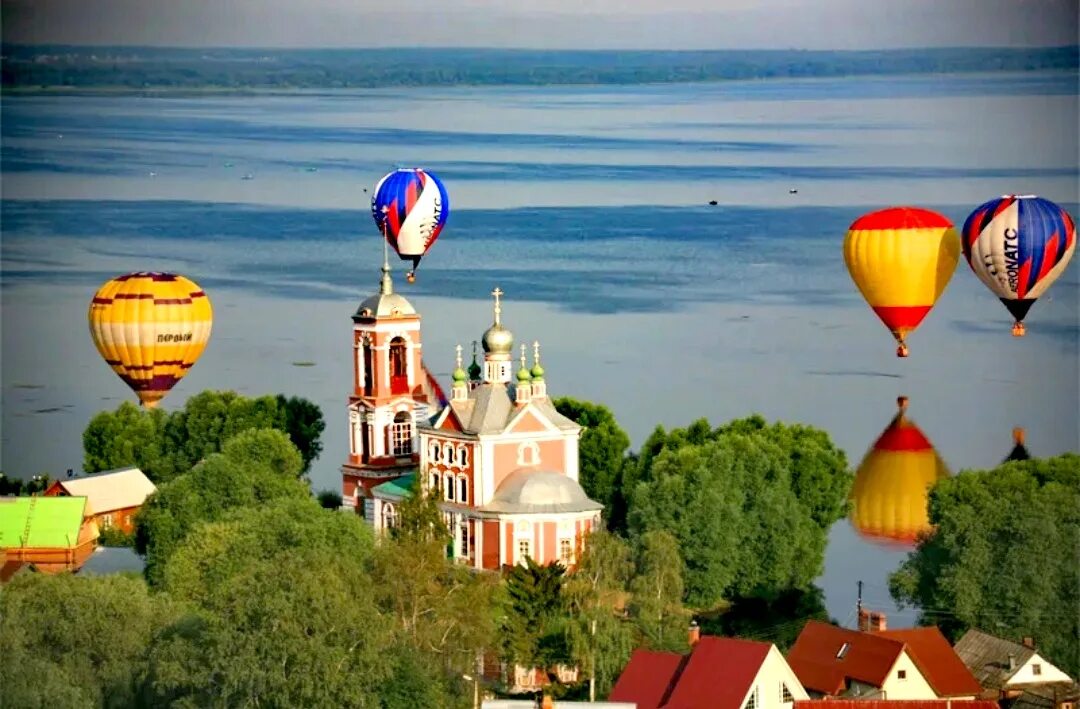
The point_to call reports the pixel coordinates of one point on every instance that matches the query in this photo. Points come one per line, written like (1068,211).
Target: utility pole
(858,608)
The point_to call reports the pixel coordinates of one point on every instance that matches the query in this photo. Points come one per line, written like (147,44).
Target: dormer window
(843,651)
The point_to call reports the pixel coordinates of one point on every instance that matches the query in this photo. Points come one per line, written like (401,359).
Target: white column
(478,555)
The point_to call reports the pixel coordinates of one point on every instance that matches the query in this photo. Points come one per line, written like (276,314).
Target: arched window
(433,481)
(399,379)
(389,515)
(369,365)
(448,453)
(463,489)
(463,456)
(401,434)
(433,452)
(528,453)
(448,487)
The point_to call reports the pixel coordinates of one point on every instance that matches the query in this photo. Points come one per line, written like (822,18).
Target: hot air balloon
(892,484)
(901,259)
(1018,246)
(1019,451)
(150,328)
(410,207)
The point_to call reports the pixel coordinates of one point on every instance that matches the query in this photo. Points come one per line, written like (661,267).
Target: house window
(843,651)
(368,366)
(401,434)
(463,456)
(448,454)
(389,517)
(523,550)
(1036,669)
(464,538)
(433,481)
(901,674)
(752,702)
(398,369)
(463,490)
(785,694)
(448,487)
(566,552)
(433,452)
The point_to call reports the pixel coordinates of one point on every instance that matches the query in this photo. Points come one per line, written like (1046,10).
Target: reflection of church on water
(502,460)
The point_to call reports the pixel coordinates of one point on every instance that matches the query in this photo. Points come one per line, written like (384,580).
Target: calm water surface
(589,207)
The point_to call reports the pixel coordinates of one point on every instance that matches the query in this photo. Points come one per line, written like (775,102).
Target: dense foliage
(750,504)
(164,445)
(601,450)
(1004,556)
(143,67)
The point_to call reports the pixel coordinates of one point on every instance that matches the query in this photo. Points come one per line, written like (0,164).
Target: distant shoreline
(127,70)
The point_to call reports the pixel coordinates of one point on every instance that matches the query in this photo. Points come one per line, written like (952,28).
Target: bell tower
(389,397)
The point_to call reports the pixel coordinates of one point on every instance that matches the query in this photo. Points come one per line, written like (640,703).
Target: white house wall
(1048,673)
(773,672)
(913,686)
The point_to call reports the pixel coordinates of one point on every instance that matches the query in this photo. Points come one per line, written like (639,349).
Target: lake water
(589,207)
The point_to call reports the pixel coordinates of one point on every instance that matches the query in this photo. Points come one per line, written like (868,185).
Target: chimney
(864,620)
(1029,642)
(1012,662)
(878,622)
(695,633)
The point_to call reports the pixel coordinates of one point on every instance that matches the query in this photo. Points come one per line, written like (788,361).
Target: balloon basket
(902,351)
(1018,329)
(410,277)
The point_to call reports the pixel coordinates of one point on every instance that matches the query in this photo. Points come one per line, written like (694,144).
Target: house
(941,666)
(53,534)
(719,673)
(838,662)
(114,495)
(1004,668)
(892,704)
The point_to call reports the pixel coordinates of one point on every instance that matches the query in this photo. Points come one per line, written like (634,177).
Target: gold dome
(497,339)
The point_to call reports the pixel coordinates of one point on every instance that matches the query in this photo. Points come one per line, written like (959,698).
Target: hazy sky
(650,24)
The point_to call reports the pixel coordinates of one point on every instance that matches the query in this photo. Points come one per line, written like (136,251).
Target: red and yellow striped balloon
(150,328)
(901,259)
(892,484)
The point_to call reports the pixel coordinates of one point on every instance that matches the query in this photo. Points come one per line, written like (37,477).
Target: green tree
(730,504)
(1004,556)
(303,422)
(77,641)
(601,450)
(600,640)
(254,468)
(534,624)
(210,418)
(284,613)
(776,617)
(129,436)
(657,589)
(330,499)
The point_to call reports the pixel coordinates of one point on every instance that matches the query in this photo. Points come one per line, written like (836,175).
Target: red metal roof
(647,679)
(895,704)
(868,658)
(719,674)
(938,662)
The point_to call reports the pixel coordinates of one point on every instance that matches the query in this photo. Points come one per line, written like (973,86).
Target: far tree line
(253,592)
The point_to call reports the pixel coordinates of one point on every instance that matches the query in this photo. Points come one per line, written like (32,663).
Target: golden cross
(458,348)
(498,309)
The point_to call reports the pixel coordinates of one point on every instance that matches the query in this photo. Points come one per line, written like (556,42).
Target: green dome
(523,375)
(474,370)
(538,372)
(459,375)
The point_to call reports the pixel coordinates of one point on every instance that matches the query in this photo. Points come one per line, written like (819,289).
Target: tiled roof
(111,490)
(937,661)
(814,657)
(647,679)
(719,674)
(988,657)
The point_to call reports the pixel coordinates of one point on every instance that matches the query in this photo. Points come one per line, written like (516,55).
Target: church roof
(530,491)
(490,408)
(396,489)
(384,305)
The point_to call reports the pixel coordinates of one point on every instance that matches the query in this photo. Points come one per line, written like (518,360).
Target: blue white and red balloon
(410,207)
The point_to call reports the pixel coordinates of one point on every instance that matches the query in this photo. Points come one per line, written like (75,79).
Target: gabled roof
(988,657)
(490,408)
(719,674)
(647,679)
(41,521)
(112,489)
(814,657)
(937,661)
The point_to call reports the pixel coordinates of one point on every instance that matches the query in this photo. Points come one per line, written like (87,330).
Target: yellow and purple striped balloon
(150,328)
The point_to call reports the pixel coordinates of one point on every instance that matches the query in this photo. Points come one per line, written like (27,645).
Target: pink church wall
(551,547)
(552,457)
